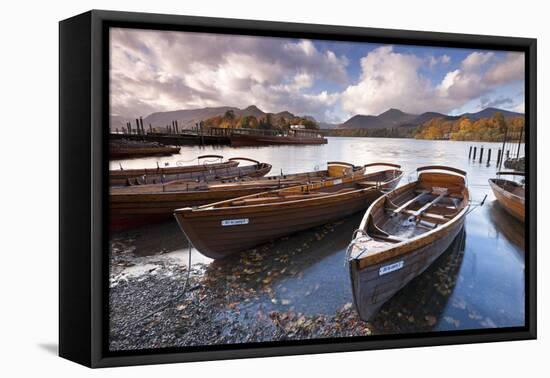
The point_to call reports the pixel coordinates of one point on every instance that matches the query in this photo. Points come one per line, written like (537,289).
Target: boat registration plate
(234,222)
(390,268)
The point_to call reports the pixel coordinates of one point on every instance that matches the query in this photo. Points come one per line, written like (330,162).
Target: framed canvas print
(233,188)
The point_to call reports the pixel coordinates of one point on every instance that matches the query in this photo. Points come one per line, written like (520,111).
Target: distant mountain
(396,118)
(188,118)
(328,125)
(489,112)
(388,119)
(392,118)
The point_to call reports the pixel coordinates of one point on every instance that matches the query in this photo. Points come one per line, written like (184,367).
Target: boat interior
(228,173)
(509,186)
(435,199)
(339,185)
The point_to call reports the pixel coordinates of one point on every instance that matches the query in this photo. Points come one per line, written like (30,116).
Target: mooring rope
(352,244)
(474,205)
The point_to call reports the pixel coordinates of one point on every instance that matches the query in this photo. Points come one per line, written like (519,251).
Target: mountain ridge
(392,118)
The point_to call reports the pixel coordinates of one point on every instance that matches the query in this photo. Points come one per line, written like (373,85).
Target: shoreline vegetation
(487,129)
(491,129)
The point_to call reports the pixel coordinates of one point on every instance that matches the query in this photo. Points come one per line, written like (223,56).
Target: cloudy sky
(159,70)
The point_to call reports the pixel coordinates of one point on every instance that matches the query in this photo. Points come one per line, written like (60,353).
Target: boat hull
(371,291)
(120,177)
(135,152)
(210,173)
(140,204)
(218,233)
(133,210)
(512,204)
(403,233)
(254,140)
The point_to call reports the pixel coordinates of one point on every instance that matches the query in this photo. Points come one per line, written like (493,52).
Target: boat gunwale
(408,245)
(217,186)
(505,192)
(201,210)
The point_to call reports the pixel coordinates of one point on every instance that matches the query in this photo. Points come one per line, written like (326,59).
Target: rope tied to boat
(354,241)
(474,205)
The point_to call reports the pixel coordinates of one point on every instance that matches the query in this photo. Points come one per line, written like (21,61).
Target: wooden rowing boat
(510,194)
(200,172)
(221,229)
(119,150)
(403,232)
(136,205)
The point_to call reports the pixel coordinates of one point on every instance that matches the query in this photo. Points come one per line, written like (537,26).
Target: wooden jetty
(223,136)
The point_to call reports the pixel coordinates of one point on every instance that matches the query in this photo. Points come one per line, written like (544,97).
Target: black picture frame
(83,196)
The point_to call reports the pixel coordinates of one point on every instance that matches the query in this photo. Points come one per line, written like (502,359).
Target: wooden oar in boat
(221,229)
(403,232)
(142,204)
(510,194)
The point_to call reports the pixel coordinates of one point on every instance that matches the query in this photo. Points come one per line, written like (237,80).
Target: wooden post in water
(137,127)
(141,125)
(519,141)
(481,154)
(504,144)
(507,154)
(470,153)
(488,156)
(475,151)
(150,128)
(177,128)
(499,156)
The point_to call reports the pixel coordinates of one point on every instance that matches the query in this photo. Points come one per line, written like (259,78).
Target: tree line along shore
(491,129)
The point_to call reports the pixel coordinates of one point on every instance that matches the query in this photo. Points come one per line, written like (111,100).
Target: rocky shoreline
(243,300)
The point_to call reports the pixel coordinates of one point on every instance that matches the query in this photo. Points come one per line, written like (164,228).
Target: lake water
(478,283)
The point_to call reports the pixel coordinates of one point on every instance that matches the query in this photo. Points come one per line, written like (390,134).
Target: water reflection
(290,273)
(419,305)
(507,225)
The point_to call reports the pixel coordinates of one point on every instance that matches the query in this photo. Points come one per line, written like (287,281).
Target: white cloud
(520,108)
(158,70)
(388,80)
(391,79)
(476,60)
(435,60)
(511,68)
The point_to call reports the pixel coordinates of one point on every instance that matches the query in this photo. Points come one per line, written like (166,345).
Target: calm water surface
(478,283)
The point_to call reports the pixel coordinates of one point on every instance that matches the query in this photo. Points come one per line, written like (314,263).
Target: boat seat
(430,217)
(390,238)
(424,208)
(411,201)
